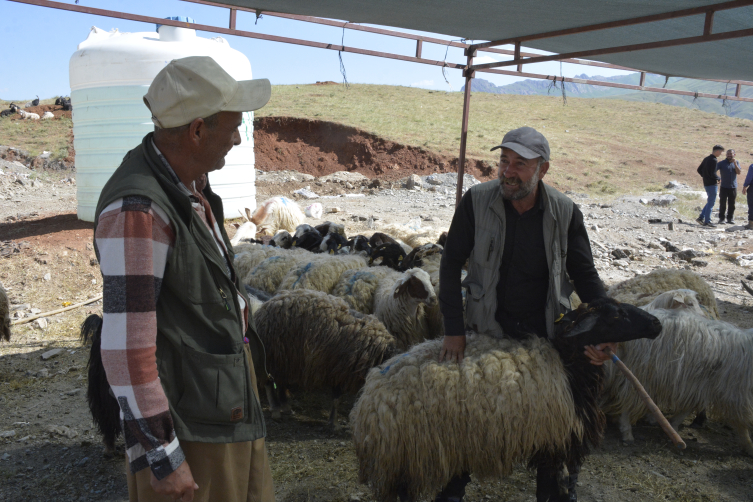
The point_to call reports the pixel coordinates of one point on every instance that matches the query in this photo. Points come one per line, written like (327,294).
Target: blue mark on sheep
(357,277)
(385,370)
(300,276)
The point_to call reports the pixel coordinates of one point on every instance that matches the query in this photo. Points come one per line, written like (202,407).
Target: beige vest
(486,257)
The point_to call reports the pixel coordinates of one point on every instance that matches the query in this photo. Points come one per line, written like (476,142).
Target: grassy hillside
(598,145)
(601,145)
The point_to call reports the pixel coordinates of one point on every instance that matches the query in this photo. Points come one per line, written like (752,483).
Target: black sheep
(392,255)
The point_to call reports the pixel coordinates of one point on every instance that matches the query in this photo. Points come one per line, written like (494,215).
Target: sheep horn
(655,411)
(747,288)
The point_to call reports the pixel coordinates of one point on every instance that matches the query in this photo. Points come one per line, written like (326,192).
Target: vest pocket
(214,387)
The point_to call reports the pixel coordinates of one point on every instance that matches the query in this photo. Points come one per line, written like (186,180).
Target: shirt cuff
(163,460)
(454,327)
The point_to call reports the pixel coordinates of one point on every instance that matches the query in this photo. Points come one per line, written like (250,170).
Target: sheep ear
(584,325)
(248,214)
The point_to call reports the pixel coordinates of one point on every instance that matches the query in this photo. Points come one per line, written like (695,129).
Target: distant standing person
(746,190)
(707,170)
(729,168)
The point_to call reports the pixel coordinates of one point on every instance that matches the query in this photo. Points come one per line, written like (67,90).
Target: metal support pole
(517,55)
(643,79)
(464,127)
(737,91)
(233,16)
(419,45)
(708,25)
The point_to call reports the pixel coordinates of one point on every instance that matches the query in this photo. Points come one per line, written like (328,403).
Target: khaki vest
(486,257)
(201,358)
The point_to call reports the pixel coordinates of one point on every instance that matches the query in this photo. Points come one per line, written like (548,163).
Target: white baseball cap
(197,87)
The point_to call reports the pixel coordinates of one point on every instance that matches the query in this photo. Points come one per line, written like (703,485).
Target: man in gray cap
(177,347)
(521,239)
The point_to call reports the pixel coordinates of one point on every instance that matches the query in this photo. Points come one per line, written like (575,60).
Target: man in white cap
(176,343)
(521,239)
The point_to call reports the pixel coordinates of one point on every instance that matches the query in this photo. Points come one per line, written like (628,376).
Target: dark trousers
(547,487)
(727,195)
(749,194)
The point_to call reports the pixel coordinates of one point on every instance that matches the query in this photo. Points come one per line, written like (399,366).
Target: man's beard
(521,190)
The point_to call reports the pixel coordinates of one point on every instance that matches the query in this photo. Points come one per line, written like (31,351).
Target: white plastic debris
(305,192)
(314,210)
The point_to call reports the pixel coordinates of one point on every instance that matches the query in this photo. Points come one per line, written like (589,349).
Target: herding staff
(655,411)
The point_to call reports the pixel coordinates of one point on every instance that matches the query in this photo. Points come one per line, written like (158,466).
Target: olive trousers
(227,472)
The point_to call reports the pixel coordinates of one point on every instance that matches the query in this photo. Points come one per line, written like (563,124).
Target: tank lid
(183,19)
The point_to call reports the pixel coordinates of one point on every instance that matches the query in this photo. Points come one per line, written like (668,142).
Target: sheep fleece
(425,422)
(642,289)
(314,340)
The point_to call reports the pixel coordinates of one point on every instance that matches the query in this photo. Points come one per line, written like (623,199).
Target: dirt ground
(49,449)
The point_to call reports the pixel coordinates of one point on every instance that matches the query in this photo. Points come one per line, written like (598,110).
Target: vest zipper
(224,298)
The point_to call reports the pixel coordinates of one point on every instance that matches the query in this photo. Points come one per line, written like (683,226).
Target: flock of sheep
(360,315)
(14,108)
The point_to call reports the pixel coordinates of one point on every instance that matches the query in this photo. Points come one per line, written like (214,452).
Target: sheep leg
(284,394)
(336,393)
(678,419)
(626,429)
(700,420)
(744,433)
(274,403)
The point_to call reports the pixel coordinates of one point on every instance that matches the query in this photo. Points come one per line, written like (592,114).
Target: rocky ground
(50,451)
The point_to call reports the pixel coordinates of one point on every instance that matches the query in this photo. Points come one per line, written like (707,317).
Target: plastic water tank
(109,75)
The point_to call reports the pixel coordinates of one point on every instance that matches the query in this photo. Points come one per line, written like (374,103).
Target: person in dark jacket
(707,170)
(728,169)
(523,241)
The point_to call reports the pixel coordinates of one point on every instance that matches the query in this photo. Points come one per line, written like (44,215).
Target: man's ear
(197,132)
(544,169)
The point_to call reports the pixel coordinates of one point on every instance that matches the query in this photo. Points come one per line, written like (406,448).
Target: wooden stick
(53,312)
(655,411)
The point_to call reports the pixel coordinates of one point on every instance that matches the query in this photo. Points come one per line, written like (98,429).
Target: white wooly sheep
(245,232)
(413,238)
(357,287)
(269,273)
(28,116)
(320,272)
(678,299)
(48,115)
(248,256)
(417,422)
(642,289)
(400,302)
(695,364)
(428,258)
(277,213)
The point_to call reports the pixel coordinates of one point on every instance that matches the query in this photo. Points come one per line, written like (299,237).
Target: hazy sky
(39,42)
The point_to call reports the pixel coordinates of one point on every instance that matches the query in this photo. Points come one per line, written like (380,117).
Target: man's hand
(178,485)
(453,348)
(745,190)
(596,354)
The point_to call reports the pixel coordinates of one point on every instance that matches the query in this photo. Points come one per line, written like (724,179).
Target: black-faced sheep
(360,244)
(282,239)
(6,113)
(315,341)
(418,423)
(4,315)
(334,243)
(14,107)
(329,227)
(695,364)
(102,404)
(388,254)
(641,289)
(307,238)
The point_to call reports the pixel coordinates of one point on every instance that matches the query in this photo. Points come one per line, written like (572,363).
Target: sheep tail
(102,404)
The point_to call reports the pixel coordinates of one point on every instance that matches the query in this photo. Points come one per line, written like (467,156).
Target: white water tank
(109,74)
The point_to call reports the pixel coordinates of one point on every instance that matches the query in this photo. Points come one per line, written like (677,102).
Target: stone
(51,353)
(73,392)
(62,430)
(699,263)
(7,434)
(621,254)
(334,210)
(47,276)
(414,181)
(663,200)
(41,323)
(643,201)
(348,185)
(676,185)
(595,228)
(671,226)
(687,254)
(36,311)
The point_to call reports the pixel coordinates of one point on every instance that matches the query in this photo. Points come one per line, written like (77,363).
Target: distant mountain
(546,87)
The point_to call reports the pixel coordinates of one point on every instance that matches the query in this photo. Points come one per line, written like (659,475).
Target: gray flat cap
(526,142)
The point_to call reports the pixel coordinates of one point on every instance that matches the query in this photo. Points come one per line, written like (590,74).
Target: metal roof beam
(695,11)
(624,48)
